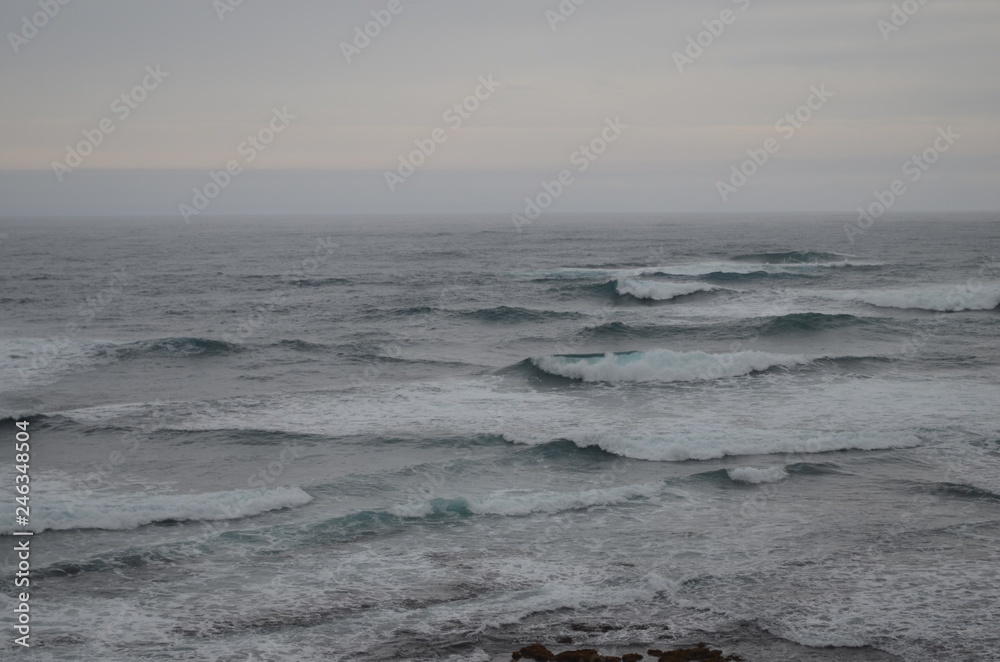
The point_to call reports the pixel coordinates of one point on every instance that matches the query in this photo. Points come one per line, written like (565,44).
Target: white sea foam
(515,504)
(477,655)
(664,365)
(930,297)
(755,475)
(660,290)
(777,416)
(707,443)
(131,511)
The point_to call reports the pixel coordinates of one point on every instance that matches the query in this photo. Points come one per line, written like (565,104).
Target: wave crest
(660,290)
(792,323)
(663,365)
(934,298)
(516,505)
(707,443)
(745,270)
(756,476)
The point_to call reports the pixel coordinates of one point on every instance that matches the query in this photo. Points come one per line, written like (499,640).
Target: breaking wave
(712,443)
(660,290)
(761,265)
(510,504)
(755,475)
(663,365)
(933,298)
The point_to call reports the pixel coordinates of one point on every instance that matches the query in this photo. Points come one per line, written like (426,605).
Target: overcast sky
(278,70)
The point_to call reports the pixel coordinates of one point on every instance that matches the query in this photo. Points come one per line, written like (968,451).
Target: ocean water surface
(425,438)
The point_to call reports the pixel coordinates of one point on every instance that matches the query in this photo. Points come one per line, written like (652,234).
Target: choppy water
(438,439)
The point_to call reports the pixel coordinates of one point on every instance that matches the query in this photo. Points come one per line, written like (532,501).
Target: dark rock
(564,640)
(700,653)
(535,652)
(582,655)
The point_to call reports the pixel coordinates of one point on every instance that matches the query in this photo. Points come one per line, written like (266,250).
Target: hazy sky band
(702,86)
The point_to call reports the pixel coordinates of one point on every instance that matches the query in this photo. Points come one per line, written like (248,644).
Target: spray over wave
(756,476)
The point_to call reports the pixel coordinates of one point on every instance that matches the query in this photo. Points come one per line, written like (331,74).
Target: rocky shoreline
(700,653)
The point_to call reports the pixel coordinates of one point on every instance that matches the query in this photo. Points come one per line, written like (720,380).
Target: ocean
(438,438)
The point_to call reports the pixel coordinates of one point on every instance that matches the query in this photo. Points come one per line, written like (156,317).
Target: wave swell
(509,314)
(764,326)
(792,257)
(171,347)
(798,322)
(132,511)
